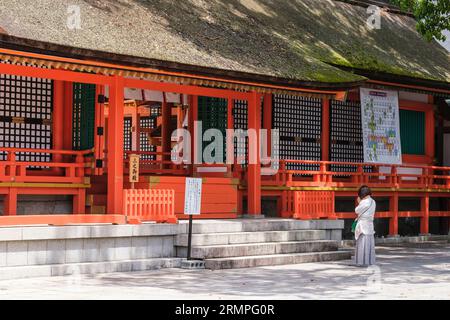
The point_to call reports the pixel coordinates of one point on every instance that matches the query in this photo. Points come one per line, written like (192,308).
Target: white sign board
(193,196)
(380,119)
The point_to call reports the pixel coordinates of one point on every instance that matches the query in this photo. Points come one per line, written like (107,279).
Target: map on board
(380,126)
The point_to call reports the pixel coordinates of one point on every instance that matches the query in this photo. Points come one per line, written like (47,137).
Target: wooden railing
(156,205)
(162,163)
(64,167)
(351,174)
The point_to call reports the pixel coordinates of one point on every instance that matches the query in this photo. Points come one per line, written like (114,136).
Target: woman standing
(364,232)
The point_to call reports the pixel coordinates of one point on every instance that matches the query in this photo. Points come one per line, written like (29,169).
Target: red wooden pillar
(425,220)
(10,202)
(68,115)
(254,169)
(429,130)
(191,132)
(58,118)
(134,125)
(196,145)
(267,121)
(138,131)
(393,221)
(166,114)
(115,147)
(325,139)
(229,142)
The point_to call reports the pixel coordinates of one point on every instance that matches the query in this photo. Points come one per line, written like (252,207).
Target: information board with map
(381,126)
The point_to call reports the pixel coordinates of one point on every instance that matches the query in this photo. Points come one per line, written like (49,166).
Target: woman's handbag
(354,224)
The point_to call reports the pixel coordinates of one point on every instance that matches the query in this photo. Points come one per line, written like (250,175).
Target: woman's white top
(366,213)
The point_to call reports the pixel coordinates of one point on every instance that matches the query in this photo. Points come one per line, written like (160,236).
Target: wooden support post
(325,138)
(10,202)
(196,146)
(138,131)
(267,120)
(429,132)
(79,202)
(393,221)
(115,147)
(254,169)
(99,124)
(425,219)
(191,132)
(229,144)
(58,118)
(134,125)
(68,115)
(166,114)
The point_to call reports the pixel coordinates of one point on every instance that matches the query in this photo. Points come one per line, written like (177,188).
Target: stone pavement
(413,272)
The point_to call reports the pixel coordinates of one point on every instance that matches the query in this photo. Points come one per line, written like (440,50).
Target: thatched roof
(305,40)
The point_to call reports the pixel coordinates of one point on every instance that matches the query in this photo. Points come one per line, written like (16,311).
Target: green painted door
(412,132)
(213,114)
(83,116)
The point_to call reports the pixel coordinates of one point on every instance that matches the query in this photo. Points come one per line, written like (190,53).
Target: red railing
(64,167)
(149,205)
(351,174)
(162,163)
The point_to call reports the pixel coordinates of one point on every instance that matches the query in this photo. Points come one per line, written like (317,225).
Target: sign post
(192,205)
(134,169)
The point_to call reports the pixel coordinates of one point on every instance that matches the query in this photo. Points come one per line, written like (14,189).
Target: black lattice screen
(25,115)
(240,122)
(127,135)
(148,123)
(299,120)
(346,134)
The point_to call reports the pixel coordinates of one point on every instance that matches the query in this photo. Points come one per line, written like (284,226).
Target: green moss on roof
(298,39)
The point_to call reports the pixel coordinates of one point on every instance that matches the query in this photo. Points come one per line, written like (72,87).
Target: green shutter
(213,114)
(412,132)
(83,116)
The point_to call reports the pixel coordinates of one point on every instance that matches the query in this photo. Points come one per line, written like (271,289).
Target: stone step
(255,249)
(250,237)
(253,225)
(74,269)
(272,260)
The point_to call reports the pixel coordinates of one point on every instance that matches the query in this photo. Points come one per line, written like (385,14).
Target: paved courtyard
(419,272)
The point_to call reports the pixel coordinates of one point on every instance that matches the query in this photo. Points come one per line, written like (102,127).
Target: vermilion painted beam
(115,147)
(184,89)
(54,74)
(60,219)
(254,170)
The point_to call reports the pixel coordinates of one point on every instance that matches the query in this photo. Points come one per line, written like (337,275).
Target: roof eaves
(34,46)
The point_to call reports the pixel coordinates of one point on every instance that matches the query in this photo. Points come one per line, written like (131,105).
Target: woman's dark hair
(364,191)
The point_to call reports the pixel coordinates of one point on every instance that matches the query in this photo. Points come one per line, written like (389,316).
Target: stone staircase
(265,242)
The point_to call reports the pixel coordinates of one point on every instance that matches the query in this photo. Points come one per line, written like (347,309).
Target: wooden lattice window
(26,106)
(147,123)
(346,134)
(299,120)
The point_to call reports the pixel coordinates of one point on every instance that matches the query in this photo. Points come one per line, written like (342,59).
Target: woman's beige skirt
(365,250)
